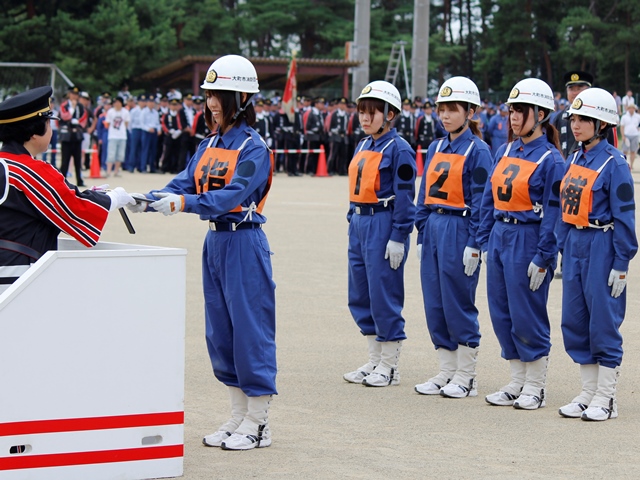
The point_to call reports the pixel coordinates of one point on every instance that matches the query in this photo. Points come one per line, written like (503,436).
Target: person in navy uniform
(406,123)
(382,177)
(36,201)
(174,125)
(73,121)
(226,183)
(597,238)
(426,131)
(447,219)
(498,128)
(313,129)
(517,230)
(338,140)
(263,123)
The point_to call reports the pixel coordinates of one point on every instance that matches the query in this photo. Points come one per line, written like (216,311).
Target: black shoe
(80,184)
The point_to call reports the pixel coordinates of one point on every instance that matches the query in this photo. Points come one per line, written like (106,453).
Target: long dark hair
(227,99)
(547,127)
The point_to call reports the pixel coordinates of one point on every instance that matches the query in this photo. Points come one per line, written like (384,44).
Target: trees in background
(495,42)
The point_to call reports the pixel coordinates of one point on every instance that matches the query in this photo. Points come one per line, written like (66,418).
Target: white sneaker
(378,378)
(428,388)
(453,390)
(358,375)
(216,439)
(600,414)
(529,402)
(239,441)
(501,399)
(572,410)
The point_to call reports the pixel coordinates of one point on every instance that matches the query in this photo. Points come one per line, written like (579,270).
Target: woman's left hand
(169,203)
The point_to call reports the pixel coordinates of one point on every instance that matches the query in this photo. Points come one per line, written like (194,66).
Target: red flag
(289,104)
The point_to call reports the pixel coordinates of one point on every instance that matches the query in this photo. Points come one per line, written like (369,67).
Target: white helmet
(532,91)
(231,72)
(596,103)
(383,91)
(459,89)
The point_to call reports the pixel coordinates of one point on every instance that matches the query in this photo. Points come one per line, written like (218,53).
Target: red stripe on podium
(91,423)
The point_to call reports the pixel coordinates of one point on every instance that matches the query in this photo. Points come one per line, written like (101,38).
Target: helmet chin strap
(597,135)
(466,121)
(385,121)
(538,123)
(240,108)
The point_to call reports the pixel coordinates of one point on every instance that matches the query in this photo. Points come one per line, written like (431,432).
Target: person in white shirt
(629,123)
(117,121)
(628,100)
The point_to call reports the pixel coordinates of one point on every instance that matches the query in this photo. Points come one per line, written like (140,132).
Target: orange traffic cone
(321,171)
(419,161)
(95,164)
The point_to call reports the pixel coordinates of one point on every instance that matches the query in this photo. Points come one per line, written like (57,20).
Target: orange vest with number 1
(364,175)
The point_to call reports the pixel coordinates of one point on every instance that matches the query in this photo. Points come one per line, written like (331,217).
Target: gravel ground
(325,428)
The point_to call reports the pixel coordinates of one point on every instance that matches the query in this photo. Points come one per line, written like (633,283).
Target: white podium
(92,365)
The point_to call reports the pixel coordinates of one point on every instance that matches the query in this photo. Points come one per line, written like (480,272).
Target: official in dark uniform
(36,201)
(73,121)
(406,123)
(426,130)
(576,81)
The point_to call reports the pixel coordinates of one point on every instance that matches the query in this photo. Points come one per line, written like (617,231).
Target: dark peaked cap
(27,105)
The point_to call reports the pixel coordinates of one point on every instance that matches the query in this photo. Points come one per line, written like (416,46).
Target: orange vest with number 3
(510,182)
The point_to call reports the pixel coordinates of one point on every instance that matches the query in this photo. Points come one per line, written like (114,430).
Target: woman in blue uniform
(520,208)
(597,237)
(226,182)
(447,219)
(382,178)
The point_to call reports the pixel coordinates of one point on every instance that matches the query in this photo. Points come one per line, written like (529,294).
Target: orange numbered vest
(444,179)
(215,170)
(364,175)
(510,182)
(576,195)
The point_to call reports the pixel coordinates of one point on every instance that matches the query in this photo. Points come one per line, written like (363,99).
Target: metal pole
(420,50)
(362,25)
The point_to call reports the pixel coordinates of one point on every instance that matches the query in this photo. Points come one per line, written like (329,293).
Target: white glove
(470,259)
(74,121)
(617,282)
(138,206)
(175,134)
(537,276)
(169,203)
(119,198)
(395,253)
(419,252)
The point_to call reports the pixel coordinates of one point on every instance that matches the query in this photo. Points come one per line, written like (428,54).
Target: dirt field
(325,428)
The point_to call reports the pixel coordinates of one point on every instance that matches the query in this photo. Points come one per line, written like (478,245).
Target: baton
(126,220)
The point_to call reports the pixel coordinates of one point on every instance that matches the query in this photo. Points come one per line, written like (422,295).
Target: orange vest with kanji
(444,179)
(576,194)
(364,175)
(215,170)
(510,182)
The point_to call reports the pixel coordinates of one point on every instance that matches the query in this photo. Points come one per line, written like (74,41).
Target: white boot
(509,393)
(386,373)
(375,348)
(589,375)
(448,365)
(532,396)
(238,411)
(254,430)
(463,383)
(603,406)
